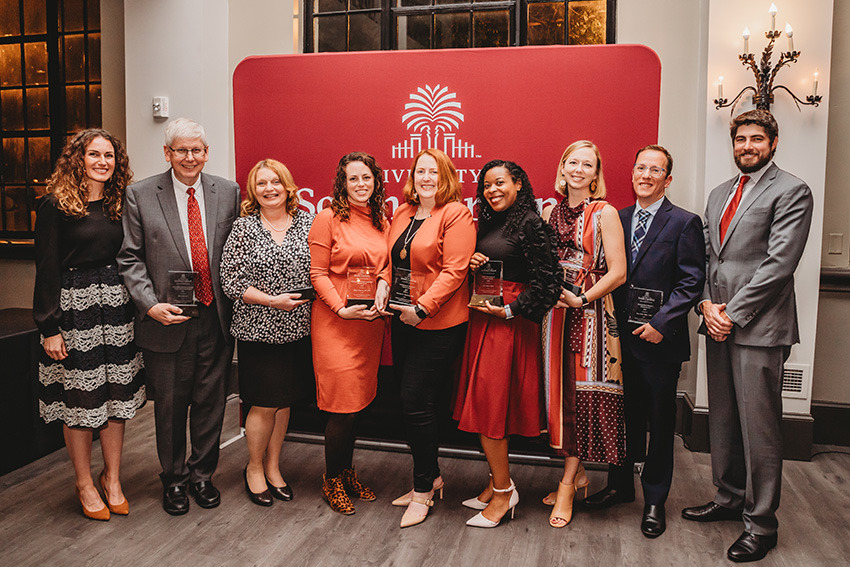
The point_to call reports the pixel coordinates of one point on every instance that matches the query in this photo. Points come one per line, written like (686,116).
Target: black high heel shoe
(281,493)
(263,498)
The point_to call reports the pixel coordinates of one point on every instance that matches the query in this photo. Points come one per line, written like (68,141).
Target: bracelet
(508,313)
(270,300)
(584,301)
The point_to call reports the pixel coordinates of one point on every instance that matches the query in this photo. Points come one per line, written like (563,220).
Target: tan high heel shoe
(122,509)
(416,514)
(563,509)
(101,514)
(406,499)
(580,482)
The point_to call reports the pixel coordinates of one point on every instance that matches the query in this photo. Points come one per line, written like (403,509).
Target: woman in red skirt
(500,392)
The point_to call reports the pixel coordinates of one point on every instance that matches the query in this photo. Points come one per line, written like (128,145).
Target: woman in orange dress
(348,237)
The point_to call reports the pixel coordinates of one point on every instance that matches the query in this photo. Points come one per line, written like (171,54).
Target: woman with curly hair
(581,346)
(264,263)
(499,391)
(90,372)
(348,248)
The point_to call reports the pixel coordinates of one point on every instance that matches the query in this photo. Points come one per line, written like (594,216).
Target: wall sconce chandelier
(765,73)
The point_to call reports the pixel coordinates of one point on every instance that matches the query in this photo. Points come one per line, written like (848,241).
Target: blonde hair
(597,186)
(448,184)
(250,204)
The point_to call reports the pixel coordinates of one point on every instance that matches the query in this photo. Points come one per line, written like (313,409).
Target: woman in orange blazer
(431,240)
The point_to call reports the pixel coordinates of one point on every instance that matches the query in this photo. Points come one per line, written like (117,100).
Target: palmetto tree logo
(432,110)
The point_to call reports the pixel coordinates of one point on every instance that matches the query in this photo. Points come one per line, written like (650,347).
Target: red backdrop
(524,104)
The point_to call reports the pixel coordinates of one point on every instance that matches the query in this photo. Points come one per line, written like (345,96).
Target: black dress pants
(422,362)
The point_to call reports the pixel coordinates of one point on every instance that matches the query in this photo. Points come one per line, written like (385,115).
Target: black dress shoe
(608,497)
(205,494)
(654,520)
(711,512)
(281,493)
(174,500)
(263,498)
(751,547)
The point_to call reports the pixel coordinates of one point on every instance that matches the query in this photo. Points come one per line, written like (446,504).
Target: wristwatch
(421,313)
(584,301)
(508,313)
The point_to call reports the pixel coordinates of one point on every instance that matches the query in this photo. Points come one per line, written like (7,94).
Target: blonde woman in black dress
(266,258)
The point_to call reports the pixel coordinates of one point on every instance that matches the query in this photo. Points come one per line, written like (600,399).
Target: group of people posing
(583,341)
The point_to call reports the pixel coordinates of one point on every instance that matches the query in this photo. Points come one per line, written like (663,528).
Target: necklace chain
(273,227)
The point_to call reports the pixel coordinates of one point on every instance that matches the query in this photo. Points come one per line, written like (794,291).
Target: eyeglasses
(183,152)
(654,171)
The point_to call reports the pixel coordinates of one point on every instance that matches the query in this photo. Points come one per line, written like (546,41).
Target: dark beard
(755,167)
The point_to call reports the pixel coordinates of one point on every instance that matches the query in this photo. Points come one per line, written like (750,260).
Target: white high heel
(475,503)
(479,521)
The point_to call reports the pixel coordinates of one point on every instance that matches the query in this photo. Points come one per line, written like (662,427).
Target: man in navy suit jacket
(665,250)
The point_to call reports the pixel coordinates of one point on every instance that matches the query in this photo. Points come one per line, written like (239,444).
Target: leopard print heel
(334,493)
(354,487)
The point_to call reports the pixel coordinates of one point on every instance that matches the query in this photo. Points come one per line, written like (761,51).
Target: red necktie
(726,219)
(200,263)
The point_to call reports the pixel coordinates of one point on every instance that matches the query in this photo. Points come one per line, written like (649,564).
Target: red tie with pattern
(200,263)
(726,219)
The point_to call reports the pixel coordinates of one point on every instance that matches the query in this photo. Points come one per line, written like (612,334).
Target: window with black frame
(357,25)
(49,88)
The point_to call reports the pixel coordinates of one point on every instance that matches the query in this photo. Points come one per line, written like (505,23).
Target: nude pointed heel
(406,498)
(475,503)
(479,521)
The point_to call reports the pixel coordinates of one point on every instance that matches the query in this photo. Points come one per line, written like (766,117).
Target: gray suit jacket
(154,244)
(753,270)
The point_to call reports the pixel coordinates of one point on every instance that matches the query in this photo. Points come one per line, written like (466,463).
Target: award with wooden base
(487,284)
(181,292)
(362,284)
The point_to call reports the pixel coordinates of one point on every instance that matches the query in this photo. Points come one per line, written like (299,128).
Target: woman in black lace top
(90,371)
(500,385)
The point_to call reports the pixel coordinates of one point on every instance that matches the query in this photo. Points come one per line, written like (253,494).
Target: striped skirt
(102,378)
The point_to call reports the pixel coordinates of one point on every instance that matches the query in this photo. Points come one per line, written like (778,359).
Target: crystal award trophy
(406,288)
(181,292)
(362,284)
(644,304)
(572,270)
(487,284)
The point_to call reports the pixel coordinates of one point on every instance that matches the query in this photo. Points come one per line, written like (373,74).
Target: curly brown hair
(250,204)
(68,182)
(377,202)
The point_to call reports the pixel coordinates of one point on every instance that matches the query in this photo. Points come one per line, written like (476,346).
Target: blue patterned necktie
(640,232)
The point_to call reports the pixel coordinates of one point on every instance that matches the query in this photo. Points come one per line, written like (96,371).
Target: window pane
(35,16)
(38,109)
(95,106)
(73,12)
(364,4)
(329,33)
(12,110)
(39,159)
(546,23)
(491,29)
(75,59)
(10,65)
(587,22)
(365,32)
(451,30)
(10,18)
(13,160)
(35,55)
(17,213)
(329,5)
(75,108)
(449,2)
(413,2)
(94,14)
(414,32)
(94,57)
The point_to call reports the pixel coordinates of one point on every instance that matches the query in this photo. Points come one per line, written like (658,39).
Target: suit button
(720,261)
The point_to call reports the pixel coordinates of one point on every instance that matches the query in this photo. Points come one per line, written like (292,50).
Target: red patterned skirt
(499,389)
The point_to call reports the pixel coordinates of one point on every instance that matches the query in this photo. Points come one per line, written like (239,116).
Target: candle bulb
(746,35)
(720,86)
(815,85)
(790,34)
(772,11)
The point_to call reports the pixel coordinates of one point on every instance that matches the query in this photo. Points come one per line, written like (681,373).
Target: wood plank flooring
(41,523)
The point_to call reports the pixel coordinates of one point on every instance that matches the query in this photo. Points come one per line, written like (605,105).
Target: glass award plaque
(572,270)
(487,284)
(362,285)
(181,292)
(406,288)
(644,304)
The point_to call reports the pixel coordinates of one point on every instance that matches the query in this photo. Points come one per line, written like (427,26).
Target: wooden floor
(41,523)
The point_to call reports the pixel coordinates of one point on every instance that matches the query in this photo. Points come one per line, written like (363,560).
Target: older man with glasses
(175,225)
(665,253)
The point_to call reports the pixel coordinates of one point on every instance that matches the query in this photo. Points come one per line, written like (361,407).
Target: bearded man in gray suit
(756,227)
(175,222)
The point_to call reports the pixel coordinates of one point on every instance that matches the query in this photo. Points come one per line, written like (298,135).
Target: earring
(562,183)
